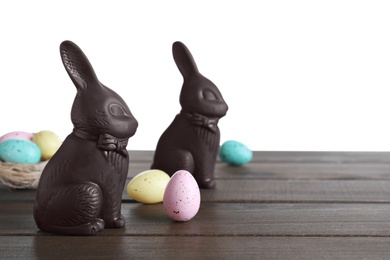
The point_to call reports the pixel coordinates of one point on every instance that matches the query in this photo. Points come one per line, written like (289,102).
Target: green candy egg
(20,151)
(235,153)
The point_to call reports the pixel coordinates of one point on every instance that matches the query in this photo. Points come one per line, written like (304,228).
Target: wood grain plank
(367,166)
(283,205)
(321,156)
(128,247)
(302,171)
(294,191)
(229,219)
(298,191)
(285,171)
(294,156)
(272,191)
(293,165)
(292,170)
(17,195)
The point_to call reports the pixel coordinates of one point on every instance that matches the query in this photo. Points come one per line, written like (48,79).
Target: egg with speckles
(182,196)
(148,186)
(20,151)
(235,153)
(20,135)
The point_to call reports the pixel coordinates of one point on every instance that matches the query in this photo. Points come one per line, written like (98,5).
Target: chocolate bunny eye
(117,110)
(209,95)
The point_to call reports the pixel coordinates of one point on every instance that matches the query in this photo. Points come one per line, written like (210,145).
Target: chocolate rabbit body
(191,142)
(80,189)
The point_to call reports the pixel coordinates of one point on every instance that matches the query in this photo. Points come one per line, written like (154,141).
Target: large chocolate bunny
(191,141)
(80,189)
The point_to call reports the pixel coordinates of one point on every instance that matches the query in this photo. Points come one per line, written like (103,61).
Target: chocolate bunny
(191,141)
(80,189)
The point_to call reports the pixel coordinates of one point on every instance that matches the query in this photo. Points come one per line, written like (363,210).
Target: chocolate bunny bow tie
(200,120)
(106,142)
(110,143)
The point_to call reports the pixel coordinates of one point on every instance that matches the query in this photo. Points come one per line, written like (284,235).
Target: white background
(297,75)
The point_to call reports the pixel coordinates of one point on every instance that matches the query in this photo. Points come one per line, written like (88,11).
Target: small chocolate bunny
(80,189)
(191,141)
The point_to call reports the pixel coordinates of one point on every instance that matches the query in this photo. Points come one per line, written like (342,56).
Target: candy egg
(20,151)
(20,135)
(148,186)
(48,142)
(235,153)
(182,196)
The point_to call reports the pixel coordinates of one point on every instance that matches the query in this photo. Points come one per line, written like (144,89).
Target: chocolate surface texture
(191,142)
(80,189)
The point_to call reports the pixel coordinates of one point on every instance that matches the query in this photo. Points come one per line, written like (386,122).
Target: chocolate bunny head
(199,94)
(96,109)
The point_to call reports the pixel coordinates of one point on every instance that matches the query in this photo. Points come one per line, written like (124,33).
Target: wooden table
(282,205)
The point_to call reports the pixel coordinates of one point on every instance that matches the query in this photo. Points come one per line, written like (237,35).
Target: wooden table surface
(282,205)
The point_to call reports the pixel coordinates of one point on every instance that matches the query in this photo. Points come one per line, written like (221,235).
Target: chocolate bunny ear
(184,60)
(77,65)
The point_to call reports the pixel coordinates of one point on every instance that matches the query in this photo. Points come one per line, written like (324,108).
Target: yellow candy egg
(148,186)
(48,142)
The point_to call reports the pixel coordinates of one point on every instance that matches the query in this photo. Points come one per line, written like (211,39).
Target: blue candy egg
(235,153)
(20,151)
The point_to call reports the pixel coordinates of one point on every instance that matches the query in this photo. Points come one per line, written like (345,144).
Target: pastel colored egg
(182,196)
(20,151)
(20,135)
(48,143)
(235,153)
(148,186)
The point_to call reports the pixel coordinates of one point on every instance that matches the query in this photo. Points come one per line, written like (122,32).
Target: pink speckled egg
(18,135)
(182,196)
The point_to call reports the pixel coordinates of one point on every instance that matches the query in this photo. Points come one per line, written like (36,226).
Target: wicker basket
(20,176)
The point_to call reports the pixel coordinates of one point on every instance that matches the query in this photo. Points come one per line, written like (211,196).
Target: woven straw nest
(20,176)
